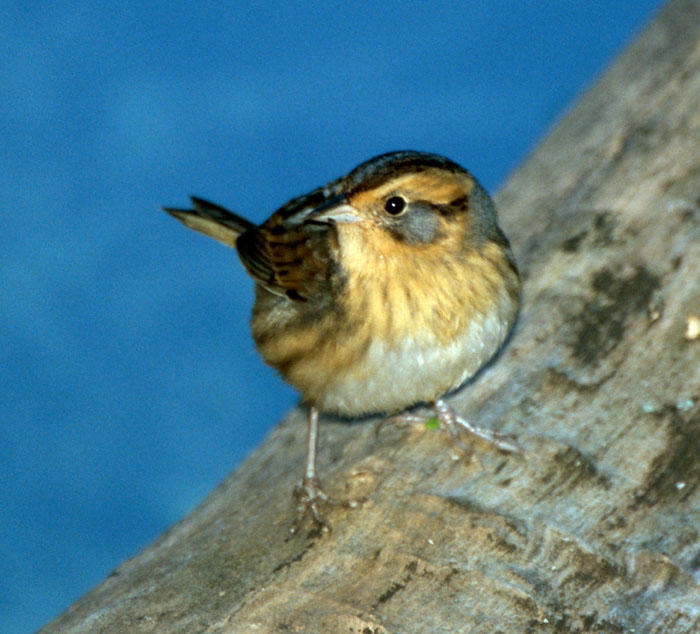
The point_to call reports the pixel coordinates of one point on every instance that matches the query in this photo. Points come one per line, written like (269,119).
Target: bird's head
(410,200)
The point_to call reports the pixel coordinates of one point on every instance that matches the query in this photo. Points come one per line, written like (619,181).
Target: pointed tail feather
(212,220)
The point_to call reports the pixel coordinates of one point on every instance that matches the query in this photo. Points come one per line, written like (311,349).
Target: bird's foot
(309,497)
(454,423)
(446,418)
(401,420)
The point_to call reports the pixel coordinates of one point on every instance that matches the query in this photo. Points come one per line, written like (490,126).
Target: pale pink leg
(308,492)
(453,423)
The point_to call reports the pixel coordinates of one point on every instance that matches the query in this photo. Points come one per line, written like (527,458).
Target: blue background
(128,383)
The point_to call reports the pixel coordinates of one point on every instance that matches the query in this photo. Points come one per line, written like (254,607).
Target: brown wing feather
(288,256)
(296,263)
(285,255)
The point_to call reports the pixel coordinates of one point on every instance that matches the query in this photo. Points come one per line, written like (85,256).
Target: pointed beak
(334,210)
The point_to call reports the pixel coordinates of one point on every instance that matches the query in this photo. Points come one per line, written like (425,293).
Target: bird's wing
(296,263)
(289,256)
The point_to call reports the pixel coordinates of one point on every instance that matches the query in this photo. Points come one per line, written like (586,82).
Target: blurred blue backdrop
(129,386)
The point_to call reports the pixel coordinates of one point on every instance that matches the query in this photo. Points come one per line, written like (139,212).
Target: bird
(386,288)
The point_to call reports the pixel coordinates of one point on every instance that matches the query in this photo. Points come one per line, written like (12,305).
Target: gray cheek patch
(419,224)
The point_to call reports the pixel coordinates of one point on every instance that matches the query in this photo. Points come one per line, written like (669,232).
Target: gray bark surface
(595,528)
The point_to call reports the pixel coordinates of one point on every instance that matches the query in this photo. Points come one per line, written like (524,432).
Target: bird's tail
(212,220)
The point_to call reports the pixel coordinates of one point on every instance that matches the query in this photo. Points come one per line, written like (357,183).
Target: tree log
(595,527)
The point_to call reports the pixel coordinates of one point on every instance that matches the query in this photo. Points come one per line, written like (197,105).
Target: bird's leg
(453,422)
(308,492)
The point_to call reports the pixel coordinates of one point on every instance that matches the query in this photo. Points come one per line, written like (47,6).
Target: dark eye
(395,205)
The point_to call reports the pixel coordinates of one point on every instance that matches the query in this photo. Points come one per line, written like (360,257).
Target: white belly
(392,378)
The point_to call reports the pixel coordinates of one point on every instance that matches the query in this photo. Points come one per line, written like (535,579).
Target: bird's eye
(395,205)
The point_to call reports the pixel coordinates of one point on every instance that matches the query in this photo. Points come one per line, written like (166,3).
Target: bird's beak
(334,210)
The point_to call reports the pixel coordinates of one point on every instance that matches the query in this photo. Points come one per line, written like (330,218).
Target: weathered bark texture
(596,527)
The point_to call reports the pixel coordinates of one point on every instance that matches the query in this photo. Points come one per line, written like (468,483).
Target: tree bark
(595,528)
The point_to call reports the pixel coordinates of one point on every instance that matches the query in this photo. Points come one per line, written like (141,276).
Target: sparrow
(386,288)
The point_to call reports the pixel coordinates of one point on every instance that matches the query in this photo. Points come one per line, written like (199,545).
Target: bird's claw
(504,442)
(309,496)
(449,420)
(454,423)
(398,419)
